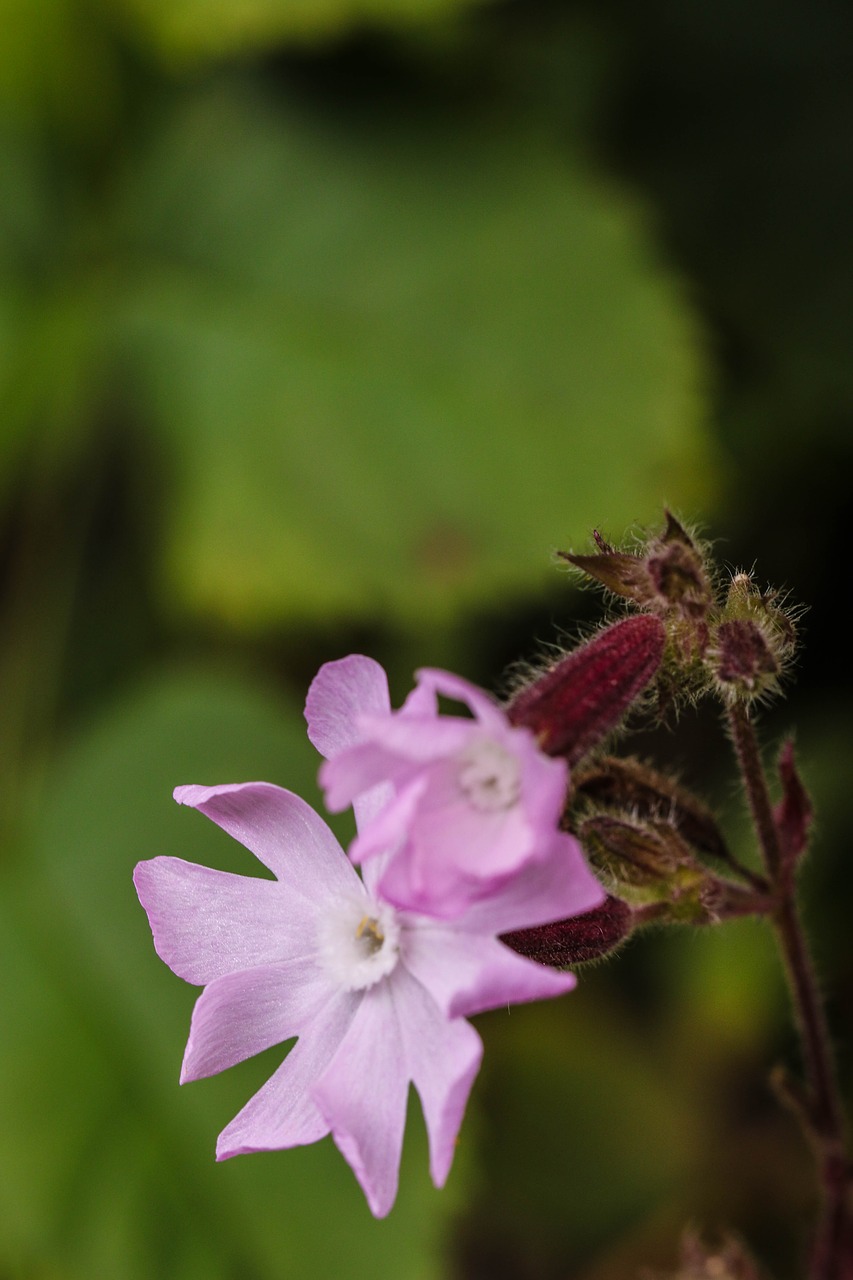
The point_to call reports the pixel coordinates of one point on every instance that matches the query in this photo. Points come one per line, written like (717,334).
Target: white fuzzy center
(489,776)
(359,942)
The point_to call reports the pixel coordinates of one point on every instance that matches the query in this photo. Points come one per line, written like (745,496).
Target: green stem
(825,1119)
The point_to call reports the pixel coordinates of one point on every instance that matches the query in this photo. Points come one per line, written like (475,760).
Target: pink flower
(377,996)
(467,803)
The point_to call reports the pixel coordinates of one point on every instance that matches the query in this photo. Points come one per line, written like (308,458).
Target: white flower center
(489,776)
(359,942)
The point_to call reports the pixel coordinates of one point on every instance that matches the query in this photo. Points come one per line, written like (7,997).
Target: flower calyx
(751,642)
(627,785)
(649,864)
(668,577)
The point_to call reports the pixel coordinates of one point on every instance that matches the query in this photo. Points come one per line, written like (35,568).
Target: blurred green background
(322,324)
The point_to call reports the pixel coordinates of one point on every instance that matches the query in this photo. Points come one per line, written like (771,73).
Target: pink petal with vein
(283,1113)
(242,1014)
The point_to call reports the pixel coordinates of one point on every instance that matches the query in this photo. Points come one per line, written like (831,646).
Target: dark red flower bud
(576,703)
(577,940)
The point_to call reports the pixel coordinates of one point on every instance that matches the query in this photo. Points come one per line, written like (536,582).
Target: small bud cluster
(646,836)
(736,644)
(655,847)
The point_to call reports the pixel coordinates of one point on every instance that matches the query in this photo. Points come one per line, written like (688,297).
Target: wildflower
(463,805)
(377,996)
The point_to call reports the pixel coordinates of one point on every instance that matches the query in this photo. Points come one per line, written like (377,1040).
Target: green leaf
(106,1167)
(192,31)
(399,365)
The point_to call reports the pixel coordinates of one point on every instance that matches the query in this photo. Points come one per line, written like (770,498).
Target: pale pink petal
(242,1014)
(420,739)
(550,888)
(340,693)
(208,923)
(544,782)
(480,846)
(454,858)
(283,1113)
(422,701)
(444,1058)
(485,708)
(389,828)
(281,830)
(362,1096)
(358,771)
(468,973)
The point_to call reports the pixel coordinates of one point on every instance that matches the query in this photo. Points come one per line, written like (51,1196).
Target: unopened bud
(630,786)
(632,854)
(744,663)
(577,940)
(751,642)
(652,868)
(576,703)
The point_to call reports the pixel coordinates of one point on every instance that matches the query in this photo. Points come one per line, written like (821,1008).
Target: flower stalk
(820,1107)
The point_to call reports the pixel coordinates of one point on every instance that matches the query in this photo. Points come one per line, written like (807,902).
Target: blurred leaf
(589,1132)
(183,31)
(399,366)
(56,65)
(106,1168)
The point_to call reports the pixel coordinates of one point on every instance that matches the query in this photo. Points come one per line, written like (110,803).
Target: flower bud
(577,702)
(744,663)
(577,940)
(629,786)
(750,643)
(653,869)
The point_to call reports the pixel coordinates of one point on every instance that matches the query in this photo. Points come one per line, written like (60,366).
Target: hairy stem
(822,1105)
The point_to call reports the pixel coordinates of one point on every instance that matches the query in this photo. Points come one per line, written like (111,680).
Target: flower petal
(443,1060)
(340,693)
(551,888)
(389,828)
(362,1096)
(242,1014)
(283,1113)
(485,708)
(358,771)
(281,830)
(209,923)
(468,973)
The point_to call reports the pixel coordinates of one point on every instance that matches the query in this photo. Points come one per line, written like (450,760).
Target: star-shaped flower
(467,803)
(377,996)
